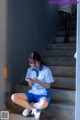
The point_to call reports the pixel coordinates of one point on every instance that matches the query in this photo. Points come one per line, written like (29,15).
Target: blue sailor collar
(37,71)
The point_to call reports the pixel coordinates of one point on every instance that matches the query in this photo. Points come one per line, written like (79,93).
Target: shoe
(32,113)
(36,113)
(26,112)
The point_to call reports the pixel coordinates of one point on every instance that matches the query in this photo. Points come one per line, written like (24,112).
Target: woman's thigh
(20,95)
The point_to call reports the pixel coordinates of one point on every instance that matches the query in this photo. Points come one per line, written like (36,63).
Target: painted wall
(31,26)
(3,40)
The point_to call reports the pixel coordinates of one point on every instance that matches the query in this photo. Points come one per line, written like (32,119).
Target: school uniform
(37,91)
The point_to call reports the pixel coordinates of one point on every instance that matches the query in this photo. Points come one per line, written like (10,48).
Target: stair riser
(61,39)
(64,83)
(59,53)
(59,112)
(62,46)
(62,96)
(72,26)
(73,19)
(73,22)
(62,33)
(59,62)
(56,112)
(63,71)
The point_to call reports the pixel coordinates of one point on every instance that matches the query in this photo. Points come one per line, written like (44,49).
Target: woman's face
(34,64)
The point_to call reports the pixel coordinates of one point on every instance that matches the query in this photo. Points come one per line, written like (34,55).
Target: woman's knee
(44,103)
(14,97)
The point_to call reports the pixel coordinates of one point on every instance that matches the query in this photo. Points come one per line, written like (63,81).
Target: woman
(39,78)
(65,11)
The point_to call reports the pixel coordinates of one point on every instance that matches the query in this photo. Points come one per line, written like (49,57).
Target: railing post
(77,98)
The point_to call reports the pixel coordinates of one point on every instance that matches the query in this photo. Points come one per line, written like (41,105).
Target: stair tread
(63,96)
(61,39)
(62,33)
(61,46)
(60,111)
(47,114)
(64,83)
(59,53)
(63,71)
(14,116)
(59,61)
(62,104)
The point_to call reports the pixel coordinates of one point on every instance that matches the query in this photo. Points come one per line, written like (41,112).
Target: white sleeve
(48,76)
(27,75)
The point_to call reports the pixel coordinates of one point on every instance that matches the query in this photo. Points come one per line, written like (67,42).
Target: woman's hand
(30,82)
(35,80)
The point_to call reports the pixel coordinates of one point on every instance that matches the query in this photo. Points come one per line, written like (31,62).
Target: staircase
(59,57)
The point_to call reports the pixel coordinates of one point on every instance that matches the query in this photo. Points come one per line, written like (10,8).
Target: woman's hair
(35,56)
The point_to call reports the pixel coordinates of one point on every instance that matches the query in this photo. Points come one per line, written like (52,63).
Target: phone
(28,78)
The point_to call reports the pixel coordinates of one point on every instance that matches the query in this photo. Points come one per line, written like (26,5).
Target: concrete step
(65,103)
(53,111)
(67,46)
(64,83)
(60,112)
(73,26)
(59,53)
(73,18)
(73,22)
(14,116)
(62,33)
(67,96)
(59,61)
(61,71)
(61,39)
(62,96)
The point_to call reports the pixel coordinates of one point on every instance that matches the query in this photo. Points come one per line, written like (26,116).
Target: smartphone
(28,78)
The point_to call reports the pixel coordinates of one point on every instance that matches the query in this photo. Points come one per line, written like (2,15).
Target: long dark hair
(36,57)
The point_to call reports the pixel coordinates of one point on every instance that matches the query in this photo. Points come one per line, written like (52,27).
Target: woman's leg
(42,104)
(22,100)
(62,18)
(67,18)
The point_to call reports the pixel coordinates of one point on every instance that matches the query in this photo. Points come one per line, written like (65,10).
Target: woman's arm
(45,85)
(35,80)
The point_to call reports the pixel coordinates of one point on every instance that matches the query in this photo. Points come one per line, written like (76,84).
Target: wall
(3,41)
(31,25)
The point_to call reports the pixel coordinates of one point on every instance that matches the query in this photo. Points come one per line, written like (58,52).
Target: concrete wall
(3,43)
(31,25)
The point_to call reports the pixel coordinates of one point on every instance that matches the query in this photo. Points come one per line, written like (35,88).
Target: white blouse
(44,75)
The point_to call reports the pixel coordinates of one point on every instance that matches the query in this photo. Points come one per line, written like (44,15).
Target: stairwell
(59,57)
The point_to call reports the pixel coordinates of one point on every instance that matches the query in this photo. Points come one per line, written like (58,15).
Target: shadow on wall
(31,25)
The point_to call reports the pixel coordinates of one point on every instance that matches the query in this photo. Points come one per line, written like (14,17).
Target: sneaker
(26,112)
(32,113)
(36,113)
